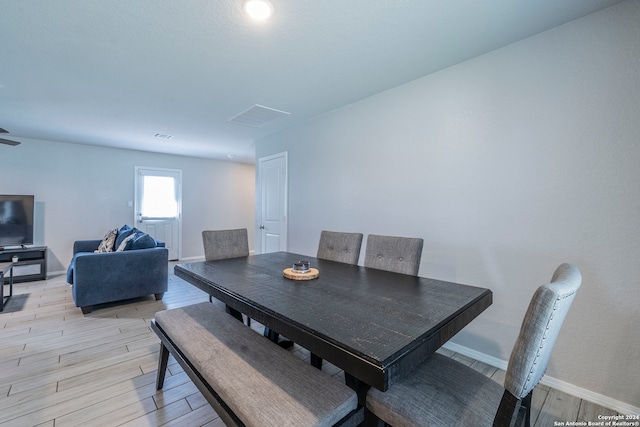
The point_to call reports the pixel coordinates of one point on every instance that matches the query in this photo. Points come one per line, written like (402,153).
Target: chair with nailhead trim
(444,392)
(390,253)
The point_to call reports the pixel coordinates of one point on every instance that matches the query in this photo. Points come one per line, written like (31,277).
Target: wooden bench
(247,379)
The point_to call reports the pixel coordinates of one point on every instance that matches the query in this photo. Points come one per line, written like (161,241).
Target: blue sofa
(102,277)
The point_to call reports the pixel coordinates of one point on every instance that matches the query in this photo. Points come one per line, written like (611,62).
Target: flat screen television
(16,220)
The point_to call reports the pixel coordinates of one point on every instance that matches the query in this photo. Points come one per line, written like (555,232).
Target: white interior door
(272,209)
(158,206)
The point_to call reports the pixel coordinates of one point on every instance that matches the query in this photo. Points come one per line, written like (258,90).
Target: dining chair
(444,392)
(223,244)
(396,254)
(340,247)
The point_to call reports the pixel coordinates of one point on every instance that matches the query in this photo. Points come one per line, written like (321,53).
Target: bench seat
(247,379)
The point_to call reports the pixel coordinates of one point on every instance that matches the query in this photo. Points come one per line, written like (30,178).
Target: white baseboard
(476,355)
(56,273)
(201,257)
(193,258)
(563,386)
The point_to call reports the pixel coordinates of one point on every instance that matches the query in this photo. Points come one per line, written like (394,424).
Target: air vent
(162,136)
(257,116)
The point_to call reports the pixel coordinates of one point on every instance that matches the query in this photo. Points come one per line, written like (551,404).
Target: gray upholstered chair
(340,247)
(397,254)
(443,392)
(223,244)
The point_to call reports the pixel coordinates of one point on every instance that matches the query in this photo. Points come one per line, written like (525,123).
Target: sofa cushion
(125,245)
(124,232)
(142,240)
(108,241)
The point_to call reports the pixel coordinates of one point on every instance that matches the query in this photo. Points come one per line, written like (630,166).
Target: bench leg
(163,360)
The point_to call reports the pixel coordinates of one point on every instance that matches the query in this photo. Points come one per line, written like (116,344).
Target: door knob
(261,227)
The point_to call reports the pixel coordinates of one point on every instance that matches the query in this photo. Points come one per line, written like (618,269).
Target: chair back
(539,330)
(222,244)
(340,247)
(397,254)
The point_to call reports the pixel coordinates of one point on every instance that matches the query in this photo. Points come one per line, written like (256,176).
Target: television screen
(16,220)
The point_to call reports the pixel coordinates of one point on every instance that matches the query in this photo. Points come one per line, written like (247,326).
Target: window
(158,199)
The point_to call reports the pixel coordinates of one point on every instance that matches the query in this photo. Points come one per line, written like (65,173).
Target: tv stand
(31,264)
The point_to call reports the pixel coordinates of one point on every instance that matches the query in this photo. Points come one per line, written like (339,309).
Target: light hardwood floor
(60,368)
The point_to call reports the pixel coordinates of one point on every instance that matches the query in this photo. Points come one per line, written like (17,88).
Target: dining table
(376,325)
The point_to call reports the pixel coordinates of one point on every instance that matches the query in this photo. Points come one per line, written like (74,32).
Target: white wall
(83,191)
(507,165)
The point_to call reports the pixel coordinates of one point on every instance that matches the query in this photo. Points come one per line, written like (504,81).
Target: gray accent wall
(82,191)
(506,165)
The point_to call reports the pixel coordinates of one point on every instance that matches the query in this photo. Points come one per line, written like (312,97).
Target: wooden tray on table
(313,273)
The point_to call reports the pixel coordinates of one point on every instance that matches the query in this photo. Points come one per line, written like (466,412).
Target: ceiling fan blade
(8,142)
(3,130)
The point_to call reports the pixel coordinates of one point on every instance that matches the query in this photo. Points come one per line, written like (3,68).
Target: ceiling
(116,73)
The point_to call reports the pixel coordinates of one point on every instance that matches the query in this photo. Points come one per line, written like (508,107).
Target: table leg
(2,277)
(360,387)
(1,291)
(316,361)
(275,337)
(11,283)
(233,312)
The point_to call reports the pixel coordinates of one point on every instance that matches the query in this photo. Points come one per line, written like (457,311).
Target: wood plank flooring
(61,368)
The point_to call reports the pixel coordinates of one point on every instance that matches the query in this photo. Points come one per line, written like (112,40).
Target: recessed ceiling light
(258,9)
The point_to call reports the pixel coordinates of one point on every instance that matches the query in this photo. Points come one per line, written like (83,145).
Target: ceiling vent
(162,136)
(257,116)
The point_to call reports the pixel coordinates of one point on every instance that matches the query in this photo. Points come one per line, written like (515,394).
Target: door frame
(178,172)
(260,196)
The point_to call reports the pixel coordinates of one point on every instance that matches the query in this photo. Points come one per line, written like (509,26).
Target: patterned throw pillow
(108,242)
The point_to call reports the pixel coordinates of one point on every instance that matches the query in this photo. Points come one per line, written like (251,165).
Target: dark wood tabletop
(376,325)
